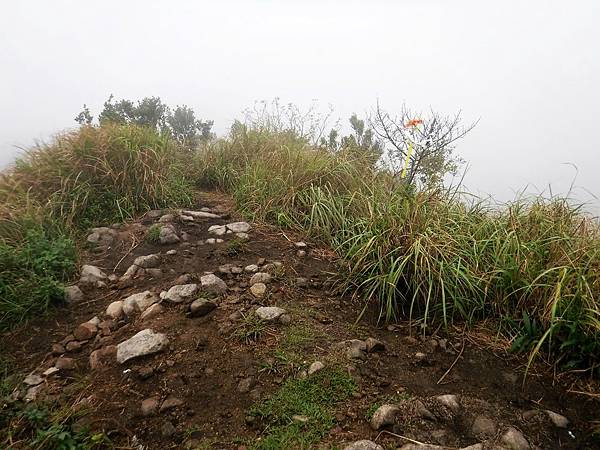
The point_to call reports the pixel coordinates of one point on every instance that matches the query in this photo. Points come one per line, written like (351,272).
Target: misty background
(527,70)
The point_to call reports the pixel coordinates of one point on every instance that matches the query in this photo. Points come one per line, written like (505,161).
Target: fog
(528,70)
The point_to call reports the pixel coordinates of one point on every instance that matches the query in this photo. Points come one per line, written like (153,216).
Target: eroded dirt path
(209,386)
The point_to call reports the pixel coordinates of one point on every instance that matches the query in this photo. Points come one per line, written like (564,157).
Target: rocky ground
(194,329)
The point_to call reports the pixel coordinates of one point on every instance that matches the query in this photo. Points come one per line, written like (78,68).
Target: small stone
(201,214)
(172,252)
(115,310)
(374,345)
(73,346)
(315,367)
(260,277)
(73,295)
(57,349)
(213,284)
(33,380)
(218,230)
(153,311)
(51,371)
(149,406)
(383,416)
(483,427)
(33,392)
(147,261)
(181,293)
(258,290)
(146,342)
(239,227)
(356,353)
(85,331)
(168,235)
(558,420)
(103,357)
(170,403)
(65,364)
(450,401)
(168,429)
(300,244)
(301,253)
(201,307)
(242,236)
(300,419)
(301,282)
(251,268)
(167,218)
(91,274)
(269,313)
(363,445)
(245,385)
(515,440)
(139,302)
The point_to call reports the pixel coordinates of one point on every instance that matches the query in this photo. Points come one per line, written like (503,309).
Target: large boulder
(146,342)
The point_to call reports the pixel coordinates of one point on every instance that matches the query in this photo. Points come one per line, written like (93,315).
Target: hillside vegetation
(530,268)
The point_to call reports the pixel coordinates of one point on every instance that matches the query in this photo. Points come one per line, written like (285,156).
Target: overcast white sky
(530,70)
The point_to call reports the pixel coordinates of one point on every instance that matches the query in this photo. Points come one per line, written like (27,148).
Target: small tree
(419,148)
(186,129)
(84,117)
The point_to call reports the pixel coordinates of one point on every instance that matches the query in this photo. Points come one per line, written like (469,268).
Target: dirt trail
(209,386)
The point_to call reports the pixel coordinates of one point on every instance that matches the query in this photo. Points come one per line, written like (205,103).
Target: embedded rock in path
(103,357)
(213,241)
(170,403)
(92,275)
(239,227)
(258,290)
(271,314)
(242,236)
(73,294)
(374,345)
(149,406)
(168,235)
(115,310)
(514,440)
(201,214)
(152,311)
(33,380)
(102,237)
(450,401)
(85,331)
(218,230)
(201,307)
(383,416)
(167,218)
(260,277)
(213,284)
(483,427)
(252,268)
(65,363)
(147,261)
(180,293)
(139,302)
(363,445)
(146,342)
(558,420)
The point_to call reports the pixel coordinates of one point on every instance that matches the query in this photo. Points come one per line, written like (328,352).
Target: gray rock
(213,284)
(514,440)
(301,253)
(374,345)
(315,367)
(102,236)
(218,230)
(270,313)
(239,227)
(558,420)
(300,244)
(170,403)
(201,214)
(483,427)
(168,235)
(245,385)
(383,416)
(33,380)
(259,290)
(181,293)
(242,236)
(64,363)
(50,371)
(91,274)
(149,406)
(171,252)
(356,353)
(201,307)
(115,310)
(153,311)
(147,261)
(73,295)
(363,445)
(146,342)
(131,272)
(213,241)
(252,268)
(167,218)
(168,429)
(260,277)
(139,302)
(450,401)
